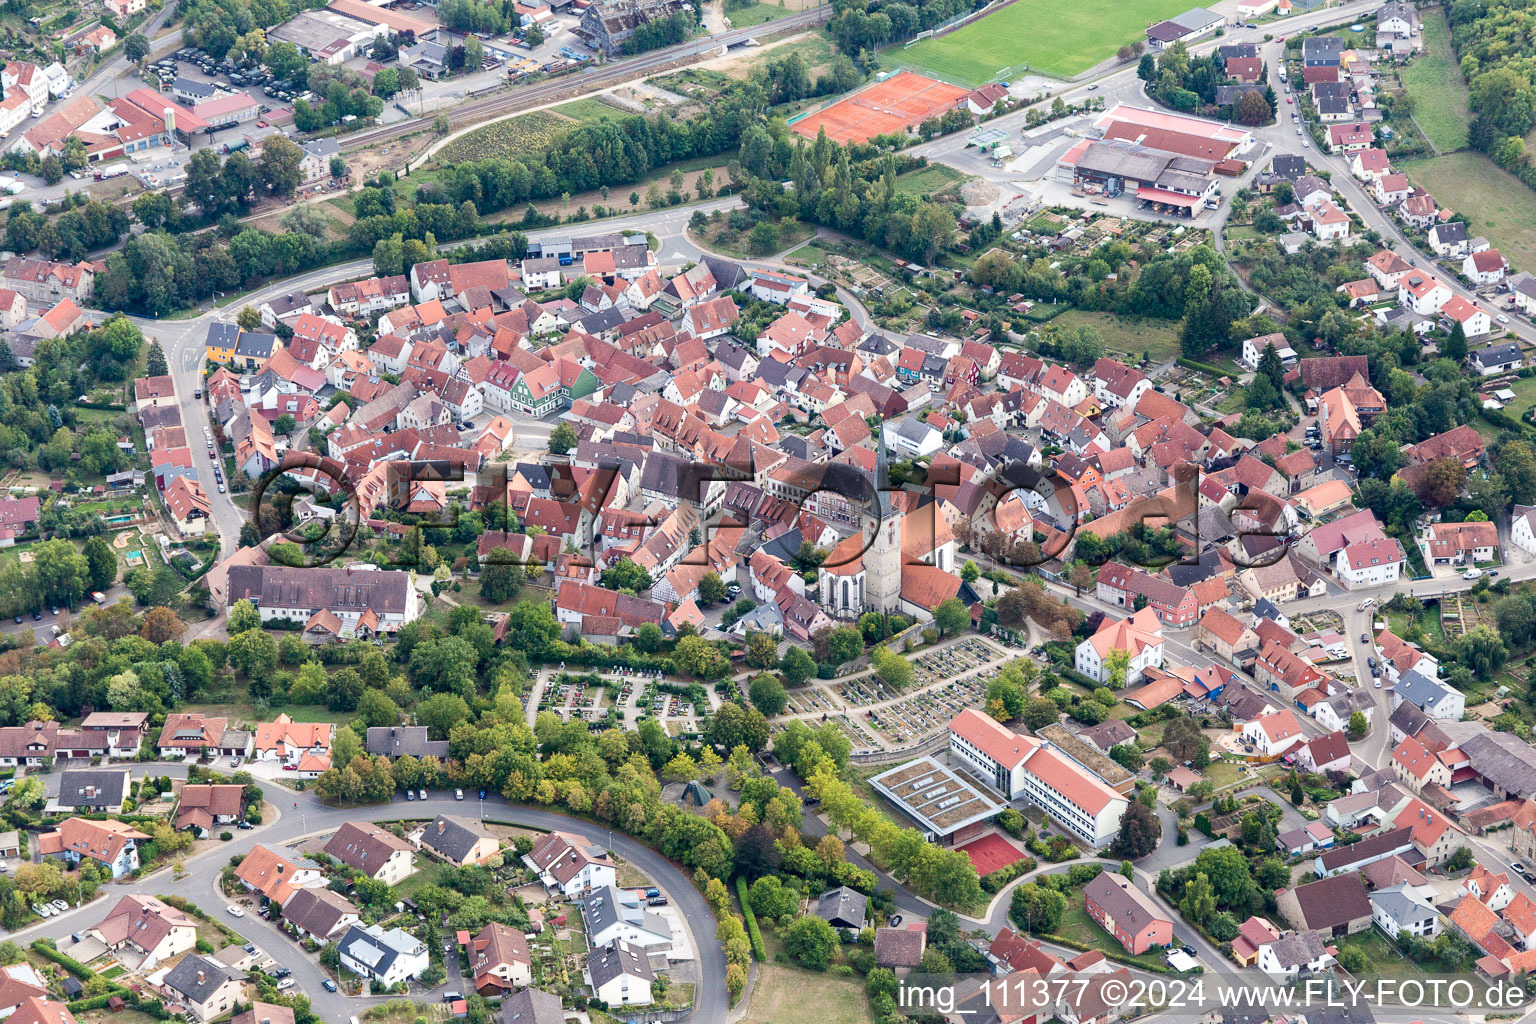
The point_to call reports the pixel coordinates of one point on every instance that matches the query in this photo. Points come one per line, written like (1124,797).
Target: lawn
(246,712)
(788,994)
(1525,397)
(1495,202)
(1222,774)
(1049,37)
(587,110)
(1433,79)
(1130,336)
(1382,955)
(808,255)
(756,14)
(933,178)
(1079,927)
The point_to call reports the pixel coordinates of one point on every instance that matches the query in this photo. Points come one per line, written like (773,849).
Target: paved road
(303,815)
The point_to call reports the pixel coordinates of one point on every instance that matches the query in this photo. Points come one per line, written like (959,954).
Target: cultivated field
(1496,203)
(1434,82)
(1059,38)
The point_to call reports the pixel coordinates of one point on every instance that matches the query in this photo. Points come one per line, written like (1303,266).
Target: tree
(767,694)
(562,439)
(762,650)
(893,669)
(501,578)
(796,666)
(1357,725)
(1036,909)
(811,942)
(161,625)
(627,576)
(136,47)
(101,563)
(1455,347)
(1199,902)
(712,588)
(1253,108)
(280,161)
(243,616)
(1041,712)
(1182,738)
(1139,833)
(1117,664)
(254,654)
(1146,68)
(1482,650)
(951,616)
(1442,482)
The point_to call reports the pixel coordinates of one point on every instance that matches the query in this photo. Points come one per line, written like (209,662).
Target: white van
(1472,574)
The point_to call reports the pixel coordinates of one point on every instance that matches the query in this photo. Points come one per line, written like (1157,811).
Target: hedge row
(1112,955)
(69,963)
(751,918)
(1194,364)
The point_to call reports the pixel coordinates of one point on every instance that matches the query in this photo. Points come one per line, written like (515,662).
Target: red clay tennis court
(905,100)
(991,853)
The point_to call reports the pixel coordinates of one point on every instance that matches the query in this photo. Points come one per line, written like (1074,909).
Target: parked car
(41,911)
(423,794)
(458,794)
(410,794)
(235,911)
(1364,638)
(328,985)
(1472,574)
(244,825)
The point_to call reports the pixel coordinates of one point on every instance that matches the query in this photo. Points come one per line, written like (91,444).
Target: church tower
(882,561)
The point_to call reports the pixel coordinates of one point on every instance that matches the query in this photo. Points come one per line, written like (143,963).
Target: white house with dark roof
(620,975)
(457,840)
(1434,698)
(569,863)
(388,957)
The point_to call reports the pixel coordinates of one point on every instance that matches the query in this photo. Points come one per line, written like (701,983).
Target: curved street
(301,815)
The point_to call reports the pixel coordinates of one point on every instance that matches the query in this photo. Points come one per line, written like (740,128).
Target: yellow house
(228,345)
(219,346)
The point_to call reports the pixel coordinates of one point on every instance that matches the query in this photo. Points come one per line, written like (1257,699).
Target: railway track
(571,86)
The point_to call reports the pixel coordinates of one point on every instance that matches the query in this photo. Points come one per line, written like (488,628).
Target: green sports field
(1057,38)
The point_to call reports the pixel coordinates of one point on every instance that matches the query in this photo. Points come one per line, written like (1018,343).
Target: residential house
(1139,636)
(458,840)
(202,806)
(373,850)
(144,931)
(388,957)
(320,913)
(620,975)
(499,960)
(110,843)
(204,986)
(571,864)
(1127,913)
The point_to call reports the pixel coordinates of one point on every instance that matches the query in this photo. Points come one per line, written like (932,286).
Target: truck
(98,597)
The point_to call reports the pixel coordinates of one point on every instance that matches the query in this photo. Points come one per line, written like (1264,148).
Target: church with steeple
(903,563)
